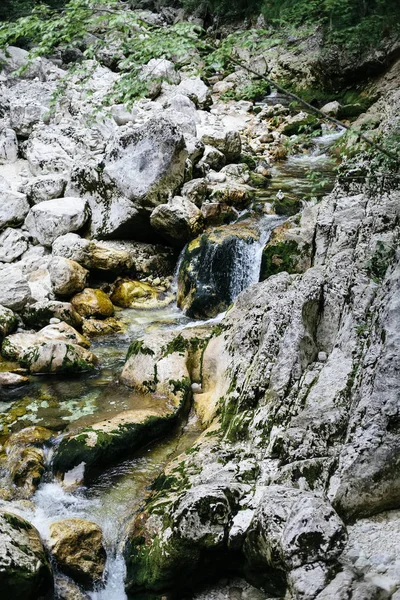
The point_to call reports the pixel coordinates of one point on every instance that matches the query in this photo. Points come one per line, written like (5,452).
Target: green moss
(138,347)
(287,206)
(279,257)
(178,344)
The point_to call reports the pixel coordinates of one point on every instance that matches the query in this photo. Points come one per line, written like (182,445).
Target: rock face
(78,549)
(48,220)
(24,567)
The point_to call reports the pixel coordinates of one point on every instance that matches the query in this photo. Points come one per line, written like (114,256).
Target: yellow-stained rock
(93,303)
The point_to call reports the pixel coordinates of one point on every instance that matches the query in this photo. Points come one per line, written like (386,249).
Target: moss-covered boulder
(58,357)
(24,568)
(286,205)
(302,122)
(38,315)
(215,268)
(93,303)
(77,546)
(138,294)
(15,345)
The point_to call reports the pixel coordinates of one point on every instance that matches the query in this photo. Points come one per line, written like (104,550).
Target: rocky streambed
(199,324)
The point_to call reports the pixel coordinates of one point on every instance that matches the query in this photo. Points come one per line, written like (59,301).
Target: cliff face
(300,391)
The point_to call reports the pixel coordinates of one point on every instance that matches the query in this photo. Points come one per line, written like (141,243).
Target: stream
(114,495)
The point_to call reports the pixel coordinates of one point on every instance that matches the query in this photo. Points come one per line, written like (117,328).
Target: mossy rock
(287,206)
(93,303)
(308,124)
(278,257)
(24,567)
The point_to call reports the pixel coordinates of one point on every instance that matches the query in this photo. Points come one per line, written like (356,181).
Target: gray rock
(72,246)
(13,243)
(178,221)
(67,276)
(143,176)
(42,188)
(195,191)
(8,146)
(48,220)
(227,142)
(39,314)
(15,292)
(58,357)
(13,209)
(160,69)
(24,567)
(195,89)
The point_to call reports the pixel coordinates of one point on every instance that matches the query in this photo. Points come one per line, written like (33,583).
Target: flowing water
(115,495)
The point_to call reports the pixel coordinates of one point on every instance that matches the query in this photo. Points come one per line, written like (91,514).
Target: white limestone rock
(48,220)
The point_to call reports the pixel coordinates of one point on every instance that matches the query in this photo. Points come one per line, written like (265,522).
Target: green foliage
(380,261)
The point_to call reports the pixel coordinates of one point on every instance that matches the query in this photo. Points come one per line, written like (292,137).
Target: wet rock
(16,344)
(148,259)
(178,221)
(67,276)
(24,567)
(206,285)
(8,146)
(13,243)
(40,314)
(13,209)
(77,546)
(26,466)
(95,327)
(300,123)
(12,380)
(15,292)
(68,590)
(137,294)
(43,188)
(58,357)
(93,303)
(48,220)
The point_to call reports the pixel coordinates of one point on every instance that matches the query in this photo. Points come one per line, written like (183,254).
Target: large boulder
(13,208)
(15,292)
(148,163)
(48,220)
(92,254)
(24,567)
(160,69)
(178,221)
(67,276)
(78,549)
(93,303)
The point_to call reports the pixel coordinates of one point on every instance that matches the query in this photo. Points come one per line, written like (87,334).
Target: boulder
(195,191)
(137,294)
(13,243)
(77,546)
(26,459)
(195,89)
(43,188)
(73,247)
(331,108)
(8,379)
(105,257)
(50,150)
(24,568)
(13,209)
(48,220)
(67,276)
(15,292)
(96,327)
(8,321)
(8,146)
(227,142)
(39,314)
(212,159)
(93,303)
(178,221)
(147,259)
(27,112)
(16,344)
(143,176)
(160,69)
(58,357)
